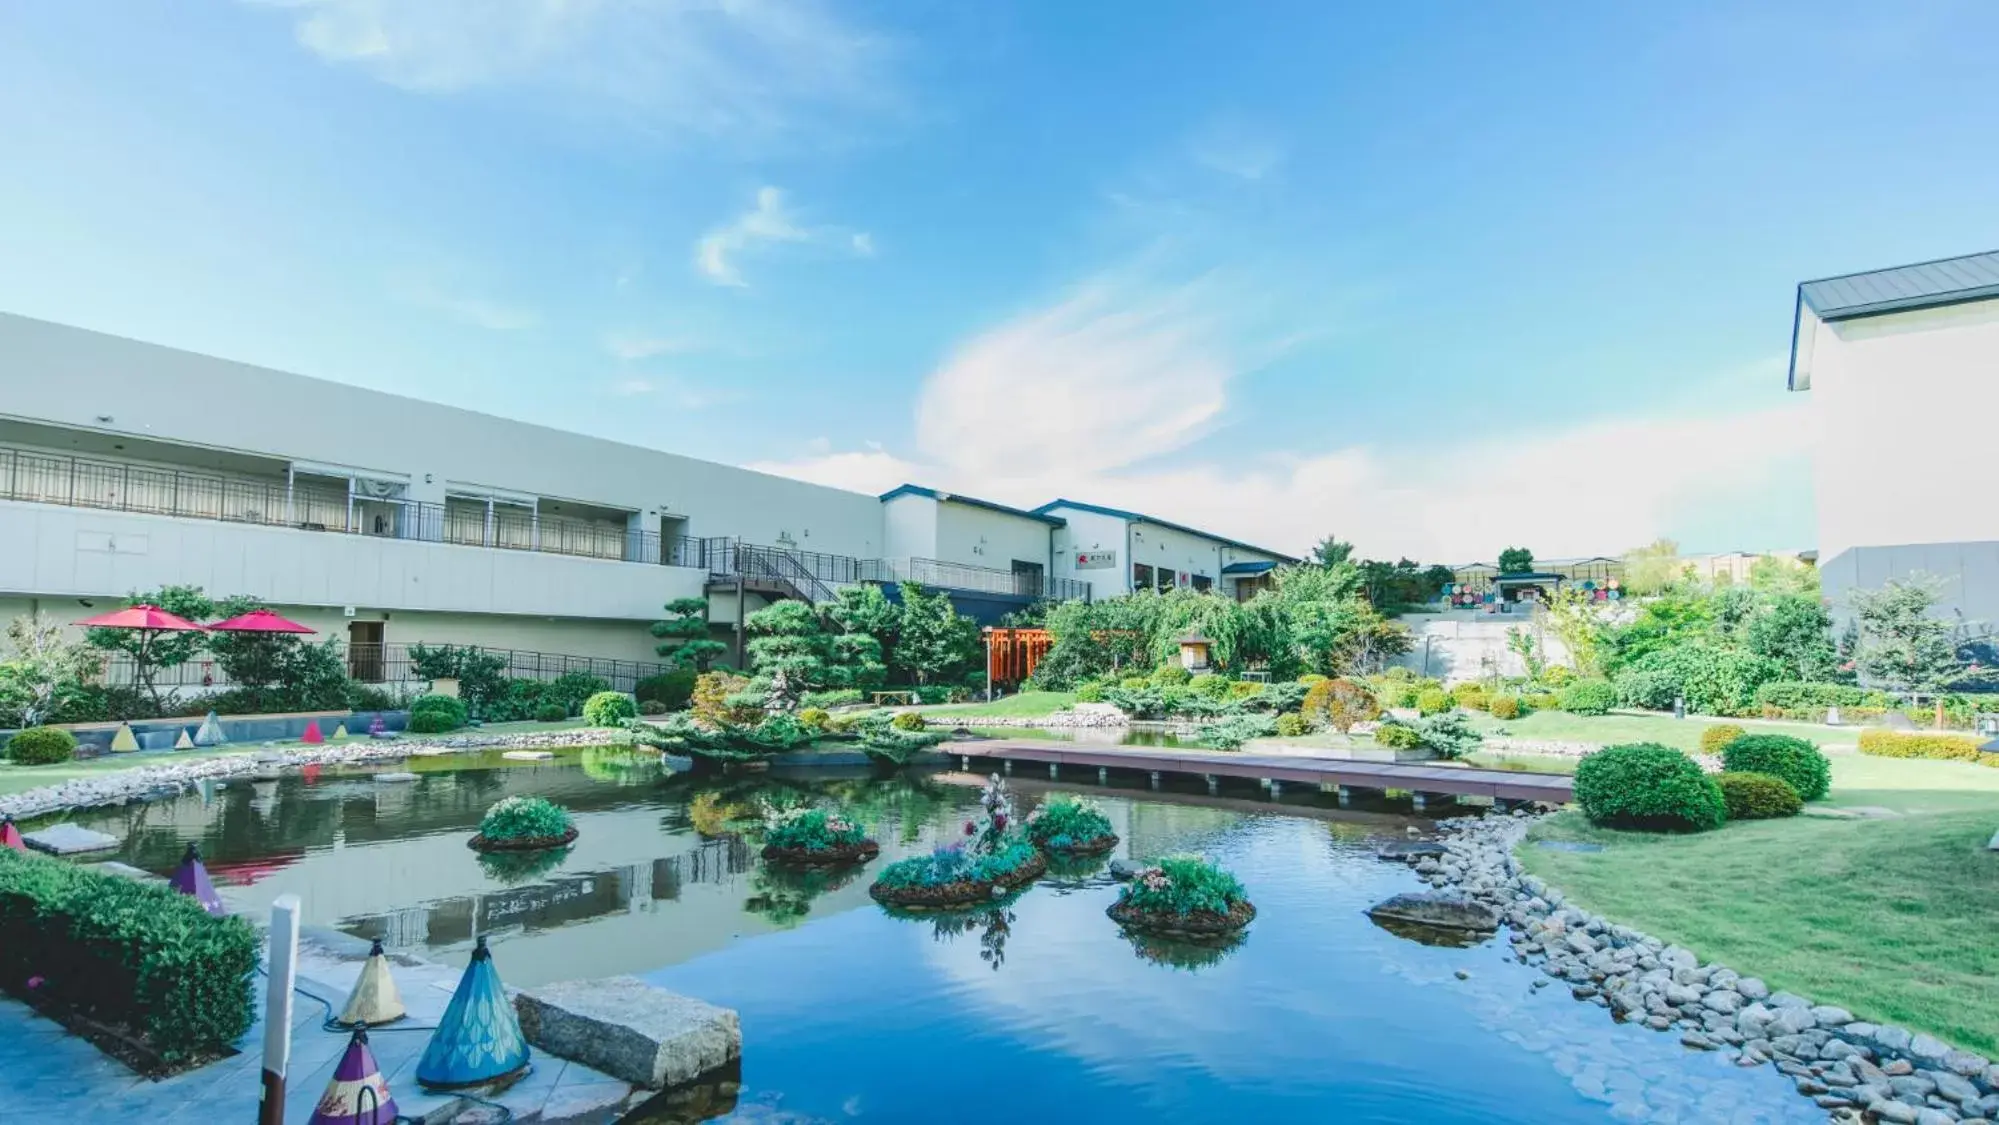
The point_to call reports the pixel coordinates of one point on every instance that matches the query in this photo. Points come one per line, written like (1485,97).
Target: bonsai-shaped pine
(683,635)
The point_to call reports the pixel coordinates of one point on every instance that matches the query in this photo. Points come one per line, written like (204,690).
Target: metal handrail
(381,663)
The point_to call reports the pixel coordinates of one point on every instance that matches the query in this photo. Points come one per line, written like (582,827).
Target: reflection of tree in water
(1078,871)
(911,801)
(784,895)
(730,804)
(620,765)
(511,869)
(1188,955)
(994,924)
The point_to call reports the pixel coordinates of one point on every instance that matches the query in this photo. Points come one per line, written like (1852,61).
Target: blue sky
(1437,280)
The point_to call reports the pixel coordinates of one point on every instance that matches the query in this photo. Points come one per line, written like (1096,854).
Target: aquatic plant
(525,818)
(1066,822)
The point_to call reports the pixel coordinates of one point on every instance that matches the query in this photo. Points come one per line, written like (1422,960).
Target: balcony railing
(390,664)
(815,576)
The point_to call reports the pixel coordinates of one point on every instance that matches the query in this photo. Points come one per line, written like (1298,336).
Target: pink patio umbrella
(149,621)
(258,621)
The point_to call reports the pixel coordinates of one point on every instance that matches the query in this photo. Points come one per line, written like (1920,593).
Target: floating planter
(993,859)
(312,737)
(1183,897)
(123,741)
(524,824)
(191,879)
(358,1095)
(1069,826)
(374,1000)
(185,741)
(210,733)
(479,1039)
(815,838)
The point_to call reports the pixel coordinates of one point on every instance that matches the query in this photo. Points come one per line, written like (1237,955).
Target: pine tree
(684,640)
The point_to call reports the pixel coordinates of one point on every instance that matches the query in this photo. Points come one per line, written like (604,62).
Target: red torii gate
(1011,654)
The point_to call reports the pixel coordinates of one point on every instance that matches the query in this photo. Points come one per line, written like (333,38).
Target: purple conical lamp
(192,879)
(358,1095)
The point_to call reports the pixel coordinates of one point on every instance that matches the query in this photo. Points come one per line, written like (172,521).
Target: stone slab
(113,867)
(69,839)
(395,776)
(527,755)
(629,1029)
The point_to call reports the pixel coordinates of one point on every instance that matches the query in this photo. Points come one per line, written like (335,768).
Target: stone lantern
(1194,652)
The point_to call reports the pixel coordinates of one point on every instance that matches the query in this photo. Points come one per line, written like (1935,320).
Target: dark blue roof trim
(1249,568)
(1921,285)
(955,498)
(1141,517)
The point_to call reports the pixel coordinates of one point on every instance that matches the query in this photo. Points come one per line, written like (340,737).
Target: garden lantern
(479,1039)
(192,879)
(10,836)
(358,1095)
(374,999)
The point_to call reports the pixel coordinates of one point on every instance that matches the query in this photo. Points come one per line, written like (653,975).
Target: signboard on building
(1096,560)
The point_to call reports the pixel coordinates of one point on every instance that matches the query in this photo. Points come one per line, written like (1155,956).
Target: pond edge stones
(1855,1070)
(629,1029)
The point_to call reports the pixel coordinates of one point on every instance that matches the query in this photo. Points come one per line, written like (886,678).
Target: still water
(1037,1010)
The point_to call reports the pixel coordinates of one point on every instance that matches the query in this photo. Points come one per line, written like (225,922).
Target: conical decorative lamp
(191,878)
(358,1095)
(374,1000)
(478,1040)
(340,732)
(10,836)
(184,742)
(312,737)
(123,741)
(210,733)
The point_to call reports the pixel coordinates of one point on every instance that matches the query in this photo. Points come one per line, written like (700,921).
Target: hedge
(1897,744)
(1758,796)
(1793,759)
(609,709)
(671,689)
(1588,697)
(1646,785)
(436,714)
(42,746)
(134,955)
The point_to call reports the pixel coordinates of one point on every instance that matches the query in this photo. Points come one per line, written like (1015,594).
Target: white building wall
(78,552)
(1904,407)
(978,536)
(909,527)
(1092,531)
(71,376)
(1165,548)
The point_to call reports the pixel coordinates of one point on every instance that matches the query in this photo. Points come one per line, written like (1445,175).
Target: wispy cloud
(767,223)
(674,391)
(1236,148)
(467,308)
(736,68)
(631,347)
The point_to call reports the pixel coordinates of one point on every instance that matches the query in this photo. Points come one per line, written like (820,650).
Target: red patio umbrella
(258,621)
(145,618)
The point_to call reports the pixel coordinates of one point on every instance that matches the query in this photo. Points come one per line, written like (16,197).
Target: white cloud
(628,387)
(478,311)
(1087,397)
(765,224)
(675,392)
(1236,148)
(631,347)
(741,68)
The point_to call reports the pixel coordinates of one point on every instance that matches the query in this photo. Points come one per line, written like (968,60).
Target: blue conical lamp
(479,1040)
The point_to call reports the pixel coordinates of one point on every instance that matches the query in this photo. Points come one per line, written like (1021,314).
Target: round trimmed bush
(1470,696)
(42,746)
(1646,785)
(1339,704)
(525,818)
(652,707)
(1398,736)
(1291,724)
(1779,755)
(1504,707)
(1589,697)
(1558,676)
(550,713)
(439,713)
(814,717)
(609,709)
(908,720)
(1716,738)
(1758,796)
(1432,702)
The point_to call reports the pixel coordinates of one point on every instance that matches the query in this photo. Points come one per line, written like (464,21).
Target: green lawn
(1026,705)
(1609,730)
(1890,917)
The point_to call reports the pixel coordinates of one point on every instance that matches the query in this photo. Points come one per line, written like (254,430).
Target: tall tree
(1332,551)
(789,650)
(1516,560)
(152,653)
(44,672)
(1652,568)
(936,644)
(866,609)
(1904,646)
(684,640)
(1796,632)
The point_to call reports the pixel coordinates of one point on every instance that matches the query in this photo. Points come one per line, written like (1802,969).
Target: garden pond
(1037,1007)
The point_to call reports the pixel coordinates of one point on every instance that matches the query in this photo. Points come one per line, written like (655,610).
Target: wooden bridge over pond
(1429,784)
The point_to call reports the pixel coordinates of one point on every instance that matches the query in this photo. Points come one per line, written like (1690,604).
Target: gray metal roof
(1942,282)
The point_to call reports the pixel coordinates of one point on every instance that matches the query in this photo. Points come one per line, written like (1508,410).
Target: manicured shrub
(134,955)
(1207,685)
(1588,697)
(1471,696)
(653,707)
(1449,735)
(1091,692)
(1557,676)
(42,746)
(1504,707)
(1900,744)
(1291,724)
(1170,675)
(1758,796)
(1793,759)
(436,714)
(609,709)
(1714,680)
(550,713)
(671,690)
(1397,696)
(1799,695)
(1541,701)
(1398,674)
(1244,689)
(827,700)
(1647,689)
(1235,730)
(1714,738)
(908,720)
(719,697)
(524,818)
(814,717)
(1397,736)
(1646,785)
(1310,678)
(1182,885)
(1339,704)
(1134,683)
(1432,701)
(571,689)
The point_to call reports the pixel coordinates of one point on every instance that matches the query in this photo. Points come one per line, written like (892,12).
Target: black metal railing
(984,579)
(390,664)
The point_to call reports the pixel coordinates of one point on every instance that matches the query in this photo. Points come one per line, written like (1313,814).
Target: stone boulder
(1440,911)
(1412,849)
(630,1030)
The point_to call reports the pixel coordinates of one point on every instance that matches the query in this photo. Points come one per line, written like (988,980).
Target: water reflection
(1188,955)
(993,924)
(784,894)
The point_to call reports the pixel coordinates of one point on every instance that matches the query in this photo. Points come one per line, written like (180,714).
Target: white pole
(278,1008)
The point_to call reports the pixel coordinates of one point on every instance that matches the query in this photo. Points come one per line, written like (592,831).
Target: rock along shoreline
(165,777)
(1857,1071)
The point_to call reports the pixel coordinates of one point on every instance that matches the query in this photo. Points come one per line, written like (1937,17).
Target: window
(1166,578)
(1141,576)
(1203,583)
